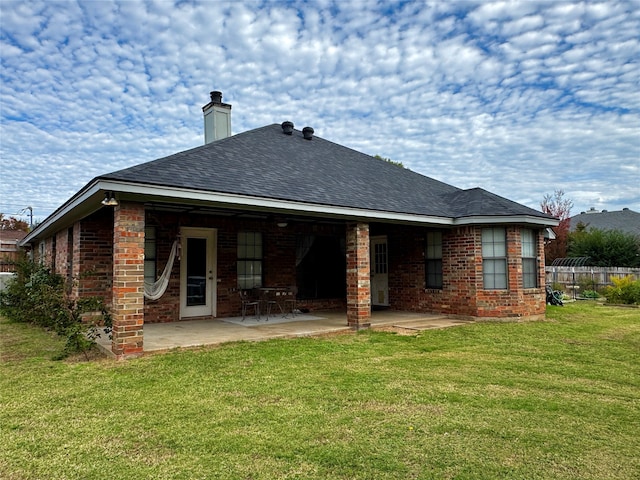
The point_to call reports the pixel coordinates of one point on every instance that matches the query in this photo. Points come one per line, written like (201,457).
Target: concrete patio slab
(159,337)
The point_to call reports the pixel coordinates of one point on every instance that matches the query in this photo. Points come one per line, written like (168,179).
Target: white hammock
(153,291)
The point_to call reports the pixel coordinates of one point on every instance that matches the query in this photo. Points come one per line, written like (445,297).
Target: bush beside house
(38,296)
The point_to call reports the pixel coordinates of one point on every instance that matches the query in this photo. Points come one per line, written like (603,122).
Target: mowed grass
(557,399)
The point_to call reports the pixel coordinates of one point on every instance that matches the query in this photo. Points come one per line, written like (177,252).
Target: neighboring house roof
(268,169)
(624,220)
(9,240)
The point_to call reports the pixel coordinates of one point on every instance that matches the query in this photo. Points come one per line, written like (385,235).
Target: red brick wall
(128,279)
(62,253)
(278,260)
(407,272)
(358,276)
(74,247)
(90,256)
(167,307)
(49,253)
(462,293)
(515,301)
(94,248)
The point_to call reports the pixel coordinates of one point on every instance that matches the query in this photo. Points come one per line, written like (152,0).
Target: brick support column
(358,276)
(128,279)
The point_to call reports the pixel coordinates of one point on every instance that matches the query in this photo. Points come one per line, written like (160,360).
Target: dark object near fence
(554,297)
(571,262)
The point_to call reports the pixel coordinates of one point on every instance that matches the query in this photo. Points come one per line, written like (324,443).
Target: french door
(379,271)
(198,272)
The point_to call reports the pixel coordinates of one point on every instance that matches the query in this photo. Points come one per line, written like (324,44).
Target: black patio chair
(290,301)
(269,298)
(248,302)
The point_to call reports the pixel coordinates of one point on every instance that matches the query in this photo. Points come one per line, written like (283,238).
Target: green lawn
(558,399)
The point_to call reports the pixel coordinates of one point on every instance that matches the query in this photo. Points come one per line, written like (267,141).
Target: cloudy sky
(519,98)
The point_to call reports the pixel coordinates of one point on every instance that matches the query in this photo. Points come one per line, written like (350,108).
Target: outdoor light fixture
(282,224)
(109,199)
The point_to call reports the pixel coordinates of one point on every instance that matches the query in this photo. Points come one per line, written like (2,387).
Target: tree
(605,248)
(559,207)
(12,223)
(393,162)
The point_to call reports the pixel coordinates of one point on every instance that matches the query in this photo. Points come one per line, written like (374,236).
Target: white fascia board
(71,204)
(518,219)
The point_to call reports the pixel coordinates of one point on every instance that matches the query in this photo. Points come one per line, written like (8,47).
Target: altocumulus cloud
(520,98)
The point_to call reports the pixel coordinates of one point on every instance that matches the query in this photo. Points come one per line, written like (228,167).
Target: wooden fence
(587,278)
(6,266)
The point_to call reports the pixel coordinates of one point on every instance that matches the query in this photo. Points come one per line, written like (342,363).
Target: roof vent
(625,209)
(287,128)
(604,211)
(308,133)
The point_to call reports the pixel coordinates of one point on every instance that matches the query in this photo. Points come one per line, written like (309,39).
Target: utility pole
(30,215)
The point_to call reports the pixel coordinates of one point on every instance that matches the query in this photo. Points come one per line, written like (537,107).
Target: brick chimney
(217,118)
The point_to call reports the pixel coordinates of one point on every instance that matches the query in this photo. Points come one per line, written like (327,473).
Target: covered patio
(161,337)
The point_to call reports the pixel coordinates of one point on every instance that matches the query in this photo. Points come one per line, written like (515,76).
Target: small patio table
(274,297)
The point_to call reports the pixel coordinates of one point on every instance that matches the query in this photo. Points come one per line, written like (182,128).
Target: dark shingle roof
(624,220)
(479,202)
(267,163)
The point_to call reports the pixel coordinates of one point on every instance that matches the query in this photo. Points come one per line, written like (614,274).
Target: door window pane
(380,258)
(196,271)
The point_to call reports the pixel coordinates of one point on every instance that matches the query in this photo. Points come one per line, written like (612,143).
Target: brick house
(280,206)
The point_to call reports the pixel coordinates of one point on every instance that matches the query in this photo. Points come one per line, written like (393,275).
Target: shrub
(586,283)
(38,296)
(605,248)
(32,294)
(624,290)
(590,294)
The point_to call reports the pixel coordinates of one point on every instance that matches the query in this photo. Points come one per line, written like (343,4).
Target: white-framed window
(150,253)
(249,260)
(433,260)
(494,258)
(529,258)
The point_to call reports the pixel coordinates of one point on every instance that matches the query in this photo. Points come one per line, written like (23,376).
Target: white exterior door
(198,272)
(379,272)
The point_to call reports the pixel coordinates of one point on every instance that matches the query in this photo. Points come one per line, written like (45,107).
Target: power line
(42,206)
